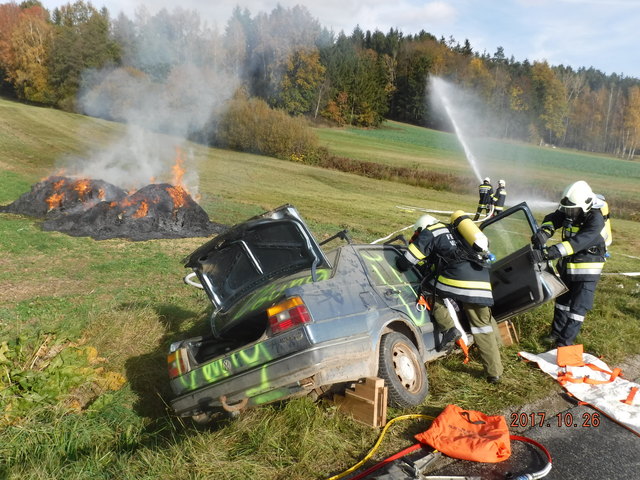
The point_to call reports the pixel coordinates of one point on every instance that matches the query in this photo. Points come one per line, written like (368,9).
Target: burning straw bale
(61,195)
(100,210)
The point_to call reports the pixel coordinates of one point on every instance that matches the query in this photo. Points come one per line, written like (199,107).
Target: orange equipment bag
(469,435)
(570,356)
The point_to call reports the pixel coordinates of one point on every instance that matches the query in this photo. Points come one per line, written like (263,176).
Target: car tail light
(178,363)
(288,314)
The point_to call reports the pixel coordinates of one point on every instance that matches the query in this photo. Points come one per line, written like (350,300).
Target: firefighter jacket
(449,271)
(485,190)
(582,248)
(498,199)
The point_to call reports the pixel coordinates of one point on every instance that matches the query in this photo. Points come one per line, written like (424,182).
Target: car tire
(403,371)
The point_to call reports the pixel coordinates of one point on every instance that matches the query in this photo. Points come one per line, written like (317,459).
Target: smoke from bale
(173,91)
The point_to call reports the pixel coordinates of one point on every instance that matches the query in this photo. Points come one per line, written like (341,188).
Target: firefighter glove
(539,239)
(553,252)
(536,256)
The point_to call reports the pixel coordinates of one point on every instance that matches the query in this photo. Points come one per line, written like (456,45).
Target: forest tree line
(288,60)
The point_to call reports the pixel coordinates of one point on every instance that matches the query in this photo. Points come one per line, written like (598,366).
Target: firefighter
(499,197)
(461,274)
(485,191)
(581,257)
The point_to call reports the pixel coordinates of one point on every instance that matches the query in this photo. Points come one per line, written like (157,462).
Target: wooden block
(366,403)
(508,333)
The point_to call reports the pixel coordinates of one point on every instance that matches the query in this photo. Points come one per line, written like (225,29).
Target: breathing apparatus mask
(577,200)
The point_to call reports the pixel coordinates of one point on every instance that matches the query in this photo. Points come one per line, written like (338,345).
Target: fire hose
(188,279)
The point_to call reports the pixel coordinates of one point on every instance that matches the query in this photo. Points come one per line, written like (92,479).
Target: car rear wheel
(403,371)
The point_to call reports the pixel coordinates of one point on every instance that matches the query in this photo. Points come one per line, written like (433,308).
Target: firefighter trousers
(570,310)
(480,209)
(441,315)
(486,336)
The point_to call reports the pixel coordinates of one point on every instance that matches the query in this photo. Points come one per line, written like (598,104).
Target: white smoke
(184,104)
(173,89)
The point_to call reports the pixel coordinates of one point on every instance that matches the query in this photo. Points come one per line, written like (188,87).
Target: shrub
(250,125)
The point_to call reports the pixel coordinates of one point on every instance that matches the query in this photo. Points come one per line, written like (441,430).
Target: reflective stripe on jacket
(457,278)
(499,198)
(582,245)
(485,192)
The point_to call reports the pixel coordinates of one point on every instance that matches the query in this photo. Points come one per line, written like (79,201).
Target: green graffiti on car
(390,276)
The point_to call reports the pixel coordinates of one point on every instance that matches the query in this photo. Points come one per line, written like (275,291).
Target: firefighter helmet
(577,198)
(487,180)
(501,183)
(424,221)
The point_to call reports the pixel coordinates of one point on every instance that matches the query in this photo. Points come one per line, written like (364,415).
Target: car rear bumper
(297,373)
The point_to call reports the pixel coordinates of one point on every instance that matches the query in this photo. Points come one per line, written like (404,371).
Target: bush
(250,125)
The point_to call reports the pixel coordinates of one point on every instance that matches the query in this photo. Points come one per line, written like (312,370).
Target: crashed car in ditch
(291,318)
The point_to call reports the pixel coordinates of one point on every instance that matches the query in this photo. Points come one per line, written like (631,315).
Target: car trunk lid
(268,246)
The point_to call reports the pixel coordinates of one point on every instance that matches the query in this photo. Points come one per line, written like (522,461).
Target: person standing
(581,255)
(498,198)
(459,273)
(485,192)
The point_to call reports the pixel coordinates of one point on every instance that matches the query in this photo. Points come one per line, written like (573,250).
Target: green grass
(524,167)
(127,301)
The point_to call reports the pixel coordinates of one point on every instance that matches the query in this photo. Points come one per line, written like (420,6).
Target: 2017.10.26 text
(562,419)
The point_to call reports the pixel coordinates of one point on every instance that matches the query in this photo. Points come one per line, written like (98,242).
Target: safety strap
(423,304)
(565,377)
(631,396)
(465,350)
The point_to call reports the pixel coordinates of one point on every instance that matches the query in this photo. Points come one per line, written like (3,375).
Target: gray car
(291,317)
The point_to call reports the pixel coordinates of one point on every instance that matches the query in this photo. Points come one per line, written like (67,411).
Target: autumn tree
(631,131)
(82,41)
(30,43)
(550,101)
(302,82)
(9,18)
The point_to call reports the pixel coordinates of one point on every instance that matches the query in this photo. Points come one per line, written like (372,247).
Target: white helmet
(487,180)
(424,221)
(501,183)
(577,198)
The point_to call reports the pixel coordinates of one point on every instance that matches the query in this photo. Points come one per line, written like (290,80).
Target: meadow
(85,325)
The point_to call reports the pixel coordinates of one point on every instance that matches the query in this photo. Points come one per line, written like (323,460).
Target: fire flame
(178,169)
(82,187)
(179,196)
(142,211)
(55,200)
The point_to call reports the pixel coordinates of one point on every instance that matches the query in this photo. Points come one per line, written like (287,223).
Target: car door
(399,290)
(518,283)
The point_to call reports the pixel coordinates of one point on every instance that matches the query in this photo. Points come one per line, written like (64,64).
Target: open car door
(519,284)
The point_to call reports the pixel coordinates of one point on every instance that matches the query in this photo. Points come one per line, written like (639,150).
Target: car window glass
(380,264)
(508,234)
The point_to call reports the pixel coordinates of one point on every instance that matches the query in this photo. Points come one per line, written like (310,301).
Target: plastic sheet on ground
(608,398)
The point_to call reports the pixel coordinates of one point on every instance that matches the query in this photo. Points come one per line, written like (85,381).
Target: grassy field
(525,168)
(85,325)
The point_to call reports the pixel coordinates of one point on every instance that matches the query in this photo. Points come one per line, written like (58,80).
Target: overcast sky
(580,33)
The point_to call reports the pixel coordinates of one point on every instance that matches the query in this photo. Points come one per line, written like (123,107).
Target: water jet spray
(443,93)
